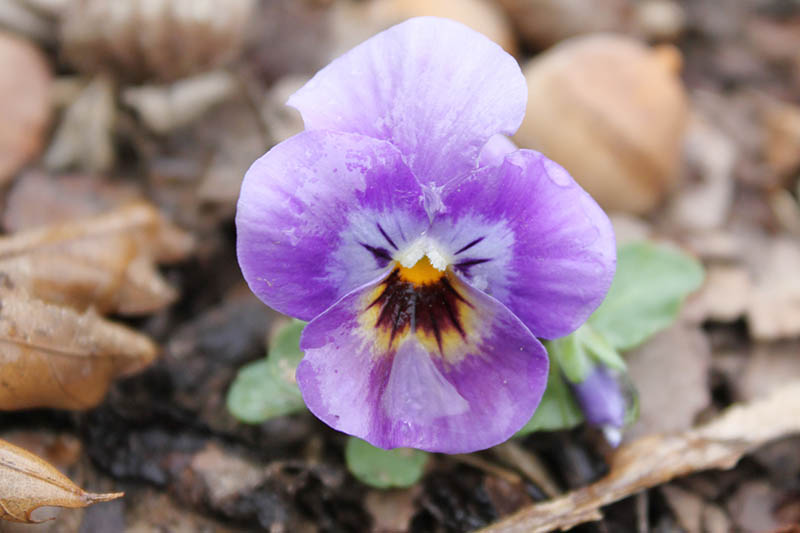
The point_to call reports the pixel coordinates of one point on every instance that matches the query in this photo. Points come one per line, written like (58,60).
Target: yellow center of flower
(422,273)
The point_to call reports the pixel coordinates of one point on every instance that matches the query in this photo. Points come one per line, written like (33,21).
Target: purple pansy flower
(425,250)
(603,402)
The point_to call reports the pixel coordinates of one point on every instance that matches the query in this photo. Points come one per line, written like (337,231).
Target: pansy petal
(434,88)
(527,234)
(495,151)
(417,381)
(320,215)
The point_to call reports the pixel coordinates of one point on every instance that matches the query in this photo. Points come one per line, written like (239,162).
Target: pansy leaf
(649,287)
(284,350)
(600,349)
(383,469)
(558,408)
(266,388)
(575,362)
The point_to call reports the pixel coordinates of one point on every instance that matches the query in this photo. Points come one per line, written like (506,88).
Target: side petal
(495,150)
(530,236)
(320,215)
(432,87)
(472,392)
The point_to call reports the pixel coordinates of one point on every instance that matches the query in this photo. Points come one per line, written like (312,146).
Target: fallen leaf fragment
(84,138)
(774,310)
(106,261)
(164,108)
(27,482)
(54,356)
(656,459)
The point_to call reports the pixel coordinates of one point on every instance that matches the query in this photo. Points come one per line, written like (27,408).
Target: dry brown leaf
(27,482)
(104,261)
(767,367)
(655,459)
(782,142)
(37,198)
(54,356)
(164,108)
(84,137)
(392,510)
(774,310)
(724,296)
(668,400)
(687,506)
(704,203)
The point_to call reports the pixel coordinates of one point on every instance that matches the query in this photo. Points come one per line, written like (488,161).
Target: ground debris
(655,459)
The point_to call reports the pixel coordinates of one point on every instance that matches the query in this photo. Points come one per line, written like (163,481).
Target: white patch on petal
(416,391)
(351,263)
(439,257)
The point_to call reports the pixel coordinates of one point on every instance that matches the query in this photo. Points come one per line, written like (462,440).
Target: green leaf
(650,285)
(258,394)
(286,342)
(267,388)
(600,348)
(572,356)
(558,408)
(401,467)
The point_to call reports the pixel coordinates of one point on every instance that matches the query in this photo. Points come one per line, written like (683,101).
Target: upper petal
(526,233)
(456,391)
(320,214)
(433,87)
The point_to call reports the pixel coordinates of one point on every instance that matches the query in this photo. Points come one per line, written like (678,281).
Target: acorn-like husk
(613,112)
(26,85)
(543,23)
(153,40)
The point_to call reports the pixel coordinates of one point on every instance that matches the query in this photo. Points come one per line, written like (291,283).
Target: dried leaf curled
(27,482)
(106,261)
(54,356)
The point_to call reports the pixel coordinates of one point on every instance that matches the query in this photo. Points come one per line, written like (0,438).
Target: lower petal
(459,390)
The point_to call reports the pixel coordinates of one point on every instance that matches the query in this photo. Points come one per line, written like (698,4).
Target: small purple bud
(603,403)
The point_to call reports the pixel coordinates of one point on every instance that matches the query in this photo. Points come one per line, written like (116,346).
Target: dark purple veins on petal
(465,265)
(469,245)
(432,308)
(381,255)
(385,236)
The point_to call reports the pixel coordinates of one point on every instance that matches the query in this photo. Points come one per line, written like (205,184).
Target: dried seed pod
(25,106)
(613,113)
(153,39)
